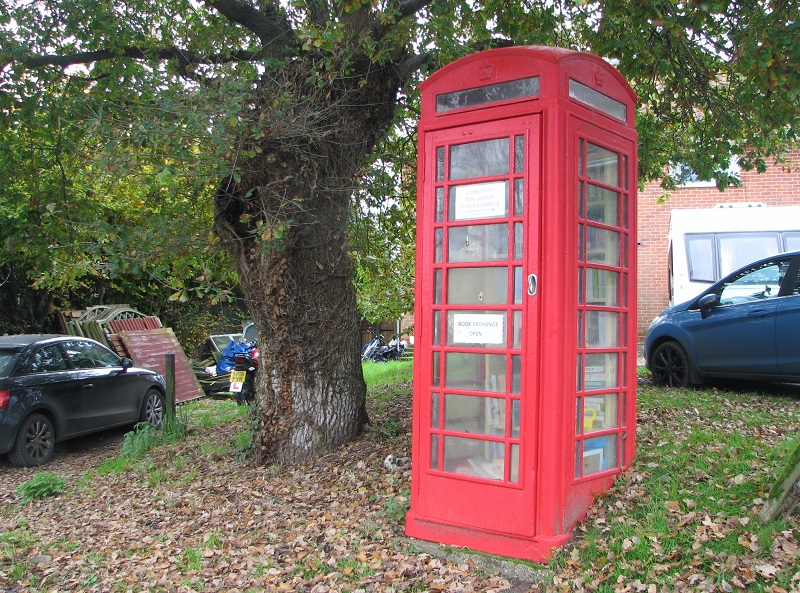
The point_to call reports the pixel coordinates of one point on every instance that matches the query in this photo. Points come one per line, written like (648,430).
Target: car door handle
(757,314)
(88,385)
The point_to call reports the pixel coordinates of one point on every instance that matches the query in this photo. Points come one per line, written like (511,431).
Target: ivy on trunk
(283,214)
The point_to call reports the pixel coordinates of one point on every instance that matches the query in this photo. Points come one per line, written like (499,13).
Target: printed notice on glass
(478,329)
(480,200)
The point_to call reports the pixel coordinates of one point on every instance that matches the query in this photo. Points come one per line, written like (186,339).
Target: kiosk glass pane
(516,374)
(519,154)
(473,457)
(602,246)
(434,410)
(439,238)
(601,370)
(515,419)
(602,205)
(481,242)
(602,165)
(519,197)
(592,98)
(602,329)
(437,328)
(475,414)
(439,204)
(491,93)
(602,287)
(514,475)
(599,454)
(476,286)
(434,451)
(479,159)
(518,242)
(475,372)
(600,412)
(625,179)
(440,163)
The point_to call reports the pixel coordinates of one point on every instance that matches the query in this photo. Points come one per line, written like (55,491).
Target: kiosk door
(482,272)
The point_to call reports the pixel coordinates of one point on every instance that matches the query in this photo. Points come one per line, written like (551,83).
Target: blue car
(746,326)
(54,388)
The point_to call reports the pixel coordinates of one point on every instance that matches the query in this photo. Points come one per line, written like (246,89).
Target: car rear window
(7,360)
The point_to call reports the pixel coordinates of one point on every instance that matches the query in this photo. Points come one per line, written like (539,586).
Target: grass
(687,509)
(382,374)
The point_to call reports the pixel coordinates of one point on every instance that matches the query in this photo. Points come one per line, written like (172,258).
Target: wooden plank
(148,347)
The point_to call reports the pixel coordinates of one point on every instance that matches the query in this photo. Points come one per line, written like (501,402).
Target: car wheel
(153,409)
(670,366)
(35,442)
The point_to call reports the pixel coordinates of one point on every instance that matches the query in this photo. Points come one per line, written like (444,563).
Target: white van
(706,244)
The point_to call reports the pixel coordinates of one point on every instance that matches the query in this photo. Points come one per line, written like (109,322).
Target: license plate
(237,379)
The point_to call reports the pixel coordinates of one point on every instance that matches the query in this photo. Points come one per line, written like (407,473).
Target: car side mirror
(127,363)
(707,303)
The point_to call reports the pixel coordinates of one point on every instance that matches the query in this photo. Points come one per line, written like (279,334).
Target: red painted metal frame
(467,511)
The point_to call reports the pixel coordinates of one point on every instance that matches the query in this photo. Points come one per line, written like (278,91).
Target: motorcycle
(377,350)
(241,360)
(392,351)
(372,346)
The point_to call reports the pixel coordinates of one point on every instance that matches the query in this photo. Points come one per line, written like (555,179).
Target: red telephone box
(525,328)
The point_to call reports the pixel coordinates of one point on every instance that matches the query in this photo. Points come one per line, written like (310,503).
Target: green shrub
(140,440)
(41,485)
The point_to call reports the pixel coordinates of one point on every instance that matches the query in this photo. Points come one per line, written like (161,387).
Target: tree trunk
(283,214)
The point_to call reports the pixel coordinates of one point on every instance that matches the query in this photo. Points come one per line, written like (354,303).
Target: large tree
(284,103)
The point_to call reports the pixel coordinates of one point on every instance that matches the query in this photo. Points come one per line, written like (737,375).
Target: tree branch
(268,24)
(185,57)
(405,9)
(412,64)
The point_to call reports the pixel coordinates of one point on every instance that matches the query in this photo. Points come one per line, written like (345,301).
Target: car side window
(794,287)
(85,355)
(48,359)
(756,284)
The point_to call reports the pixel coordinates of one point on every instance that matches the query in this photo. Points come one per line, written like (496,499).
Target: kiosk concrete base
(535,549)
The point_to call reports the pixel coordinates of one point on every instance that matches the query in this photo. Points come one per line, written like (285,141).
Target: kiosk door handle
(533,284)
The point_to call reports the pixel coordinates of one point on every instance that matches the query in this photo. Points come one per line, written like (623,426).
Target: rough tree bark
(283,215)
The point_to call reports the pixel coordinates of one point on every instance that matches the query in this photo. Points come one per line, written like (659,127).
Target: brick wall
(778,186)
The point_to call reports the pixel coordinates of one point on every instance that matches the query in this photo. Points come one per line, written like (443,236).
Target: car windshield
(7,360)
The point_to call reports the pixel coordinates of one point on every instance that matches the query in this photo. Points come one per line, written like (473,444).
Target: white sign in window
(478,329)
(480,200)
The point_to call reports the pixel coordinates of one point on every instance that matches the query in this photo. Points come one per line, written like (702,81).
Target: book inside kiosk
(525,335)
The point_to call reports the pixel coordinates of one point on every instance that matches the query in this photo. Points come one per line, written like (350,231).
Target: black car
(54,388)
